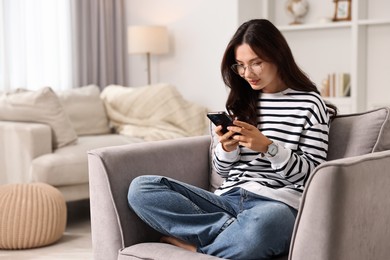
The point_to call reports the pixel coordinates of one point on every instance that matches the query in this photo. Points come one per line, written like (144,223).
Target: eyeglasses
(240,69)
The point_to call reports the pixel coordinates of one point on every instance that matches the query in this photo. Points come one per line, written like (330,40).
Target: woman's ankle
(179,243)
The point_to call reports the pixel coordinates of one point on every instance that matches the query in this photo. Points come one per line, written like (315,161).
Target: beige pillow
(85,110)
(42,106)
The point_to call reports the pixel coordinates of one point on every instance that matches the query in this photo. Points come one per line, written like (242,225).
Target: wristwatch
(272,150)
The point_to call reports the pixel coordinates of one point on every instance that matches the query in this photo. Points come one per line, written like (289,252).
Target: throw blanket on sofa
(153,112)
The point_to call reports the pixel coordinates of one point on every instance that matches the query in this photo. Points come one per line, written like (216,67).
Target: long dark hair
(270,45)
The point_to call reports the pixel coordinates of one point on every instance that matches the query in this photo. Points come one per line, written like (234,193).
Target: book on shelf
(336,85)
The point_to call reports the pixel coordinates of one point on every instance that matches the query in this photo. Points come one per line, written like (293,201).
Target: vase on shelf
(297,9)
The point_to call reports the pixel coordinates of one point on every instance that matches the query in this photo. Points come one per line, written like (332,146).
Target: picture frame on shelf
(342,10)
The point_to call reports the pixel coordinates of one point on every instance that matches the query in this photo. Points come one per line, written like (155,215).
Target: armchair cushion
(160,251)
(42,106)
(360,133)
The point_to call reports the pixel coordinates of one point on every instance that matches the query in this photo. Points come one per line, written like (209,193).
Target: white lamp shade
(147,39)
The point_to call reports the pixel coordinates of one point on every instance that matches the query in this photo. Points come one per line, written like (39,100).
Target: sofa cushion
(159,251)
(360,133)
(41,106)
(69,165)
(85,110)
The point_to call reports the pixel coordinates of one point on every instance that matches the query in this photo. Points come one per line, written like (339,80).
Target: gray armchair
(344,211)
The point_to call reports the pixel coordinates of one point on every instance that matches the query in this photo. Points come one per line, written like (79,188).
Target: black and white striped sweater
(298,122)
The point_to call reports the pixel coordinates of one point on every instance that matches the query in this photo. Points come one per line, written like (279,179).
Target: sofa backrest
(360,133)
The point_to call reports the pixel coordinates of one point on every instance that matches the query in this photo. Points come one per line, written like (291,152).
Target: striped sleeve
(298,122)
(304,132)
(223,161)
(311,152)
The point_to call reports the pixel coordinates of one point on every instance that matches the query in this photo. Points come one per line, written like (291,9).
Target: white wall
(199,32)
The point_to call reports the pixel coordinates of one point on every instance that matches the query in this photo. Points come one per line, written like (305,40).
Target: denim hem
(224,226)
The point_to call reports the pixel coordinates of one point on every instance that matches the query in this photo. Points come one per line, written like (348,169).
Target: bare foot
(179,243)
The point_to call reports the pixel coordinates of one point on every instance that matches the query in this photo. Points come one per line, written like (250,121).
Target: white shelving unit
(360,47)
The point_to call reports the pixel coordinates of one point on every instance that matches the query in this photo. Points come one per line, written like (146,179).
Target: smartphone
(220,118)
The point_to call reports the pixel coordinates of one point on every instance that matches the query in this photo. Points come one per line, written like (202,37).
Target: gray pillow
(359,133)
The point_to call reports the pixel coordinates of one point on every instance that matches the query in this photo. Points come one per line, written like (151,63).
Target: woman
(279,136)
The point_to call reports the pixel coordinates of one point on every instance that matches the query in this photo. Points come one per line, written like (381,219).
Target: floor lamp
(147,40)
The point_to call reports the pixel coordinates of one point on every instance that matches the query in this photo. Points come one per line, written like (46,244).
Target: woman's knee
(140,186)
(278,219)
(270,231)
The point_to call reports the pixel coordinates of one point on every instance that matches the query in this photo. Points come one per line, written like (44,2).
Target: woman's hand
(228,143)
(249,136)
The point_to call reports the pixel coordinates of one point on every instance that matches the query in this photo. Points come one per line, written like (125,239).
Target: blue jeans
(235,225)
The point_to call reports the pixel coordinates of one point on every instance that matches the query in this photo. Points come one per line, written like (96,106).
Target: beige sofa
(344,212)
(45,135)
(52,147)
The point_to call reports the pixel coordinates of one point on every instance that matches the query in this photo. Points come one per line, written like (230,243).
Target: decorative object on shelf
(147,40)
(336,85)
(297,9)
(342,10)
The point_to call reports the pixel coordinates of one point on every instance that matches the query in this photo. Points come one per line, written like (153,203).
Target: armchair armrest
(111,170)
(20,144)
(345,210)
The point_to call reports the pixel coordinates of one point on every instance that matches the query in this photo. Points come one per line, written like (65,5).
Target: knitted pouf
(31,215)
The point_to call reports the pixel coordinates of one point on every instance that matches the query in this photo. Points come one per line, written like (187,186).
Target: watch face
(272,149)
